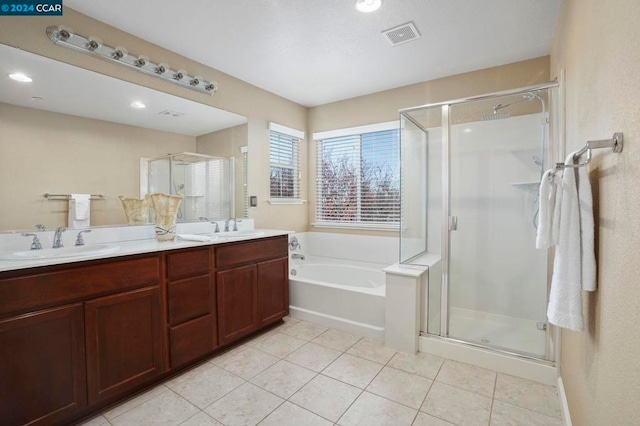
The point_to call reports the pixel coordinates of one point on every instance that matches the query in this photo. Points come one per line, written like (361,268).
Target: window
(284,157)
(358,177)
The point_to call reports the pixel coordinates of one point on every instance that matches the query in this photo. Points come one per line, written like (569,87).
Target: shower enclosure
(471,170)
(205,182)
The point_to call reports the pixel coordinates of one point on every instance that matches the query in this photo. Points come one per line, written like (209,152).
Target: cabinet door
(42,366)
(124,346)
(237,302)
(273,290)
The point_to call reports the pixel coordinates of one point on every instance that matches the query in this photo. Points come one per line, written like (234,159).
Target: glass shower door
(497,278)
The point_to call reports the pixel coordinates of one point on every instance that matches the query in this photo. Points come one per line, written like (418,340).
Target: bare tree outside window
(359,178)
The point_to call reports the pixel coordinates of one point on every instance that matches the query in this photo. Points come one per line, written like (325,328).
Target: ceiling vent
(401,34)
(171,113)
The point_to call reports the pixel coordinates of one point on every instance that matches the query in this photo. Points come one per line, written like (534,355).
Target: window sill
(286,201)
(359,225)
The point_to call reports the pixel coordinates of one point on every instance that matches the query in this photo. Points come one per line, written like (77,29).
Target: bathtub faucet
(297,256)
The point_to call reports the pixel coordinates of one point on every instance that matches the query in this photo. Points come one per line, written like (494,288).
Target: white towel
(79,211)
(194,237)
(565,299)
(587,237)
(556,195)
(545,210)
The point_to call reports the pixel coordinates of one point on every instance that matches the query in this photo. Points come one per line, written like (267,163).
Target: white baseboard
(564,405)
(343,324)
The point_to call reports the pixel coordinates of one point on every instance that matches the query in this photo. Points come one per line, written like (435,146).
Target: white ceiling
(66,89)
(319,51)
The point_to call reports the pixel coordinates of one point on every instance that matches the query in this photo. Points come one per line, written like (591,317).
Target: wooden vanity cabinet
(237,302)
(252,286)
(42,366)
(102,337)
(75,338)
(124,342)
(273,290)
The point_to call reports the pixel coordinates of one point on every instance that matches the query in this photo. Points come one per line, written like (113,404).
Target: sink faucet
(35,244)
(57,237)
(79,239)
(217,229)
(235,224)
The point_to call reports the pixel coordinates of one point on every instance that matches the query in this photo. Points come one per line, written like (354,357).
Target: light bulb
(119,53)
(161,68)
(195,80)
(141,61)
(64,32)
(93,43)
(211,87)
(179,75)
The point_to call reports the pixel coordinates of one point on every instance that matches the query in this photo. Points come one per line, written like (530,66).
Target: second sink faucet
(235,224)
(57,237)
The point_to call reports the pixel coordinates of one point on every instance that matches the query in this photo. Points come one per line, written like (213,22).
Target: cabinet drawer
(189,298)
(188,263)
(192,339)
(54,287)
(229,255)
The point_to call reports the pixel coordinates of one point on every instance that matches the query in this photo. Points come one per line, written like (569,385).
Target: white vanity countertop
(126,248)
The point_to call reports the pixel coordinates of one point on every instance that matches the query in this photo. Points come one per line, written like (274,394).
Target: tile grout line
(425,397)
(493,397)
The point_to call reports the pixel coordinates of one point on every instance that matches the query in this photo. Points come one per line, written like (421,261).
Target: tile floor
(305,374)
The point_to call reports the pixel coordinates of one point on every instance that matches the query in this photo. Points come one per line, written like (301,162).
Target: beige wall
(42,152)
(234,95)
(383,106)
(598,44)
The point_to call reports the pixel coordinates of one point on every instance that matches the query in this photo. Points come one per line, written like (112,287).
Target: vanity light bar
(64,36)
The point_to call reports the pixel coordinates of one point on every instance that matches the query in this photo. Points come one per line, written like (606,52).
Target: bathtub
(340,282)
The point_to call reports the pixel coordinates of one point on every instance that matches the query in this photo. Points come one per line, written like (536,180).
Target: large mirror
(74,131)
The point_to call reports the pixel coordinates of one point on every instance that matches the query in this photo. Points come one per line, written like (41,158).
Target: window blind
(284,155)
(358,178)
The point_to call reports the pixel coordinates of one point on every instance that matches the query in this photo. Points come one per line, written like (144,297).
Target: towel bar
(615,143)
(52,197)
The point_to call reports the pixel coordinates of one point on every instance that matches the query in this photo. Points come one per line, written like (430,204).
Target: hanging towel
(545,209)
(587,237)
(565,299)
(556,196)
(79,211)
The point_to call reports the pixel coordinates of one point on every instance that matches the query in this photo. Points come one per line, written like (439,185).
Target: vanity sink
(239,234)
(63,252)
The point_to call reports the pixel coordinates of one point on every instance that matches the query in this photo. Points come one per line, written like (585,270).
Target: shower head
(495,116)
(527,97)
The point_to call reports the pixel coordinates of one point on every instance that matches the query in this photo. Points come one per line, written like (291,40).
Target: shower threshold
(515,364)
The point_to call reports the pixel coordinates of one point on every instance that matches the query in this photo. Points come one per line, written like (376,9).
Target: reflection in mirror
(205,182)
(74,131)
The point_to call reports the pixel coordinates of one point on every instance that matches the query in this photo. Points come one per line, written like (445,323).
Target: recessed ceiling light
(368,5)
(137,105)
(22,78)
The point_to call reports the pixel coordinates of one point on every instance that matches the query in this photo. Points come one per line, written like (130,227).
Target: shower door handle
(453,223)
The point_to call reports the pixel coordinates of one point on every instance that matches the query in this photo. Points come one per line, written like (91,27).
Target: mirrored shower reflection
(205,182)
(480,164)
